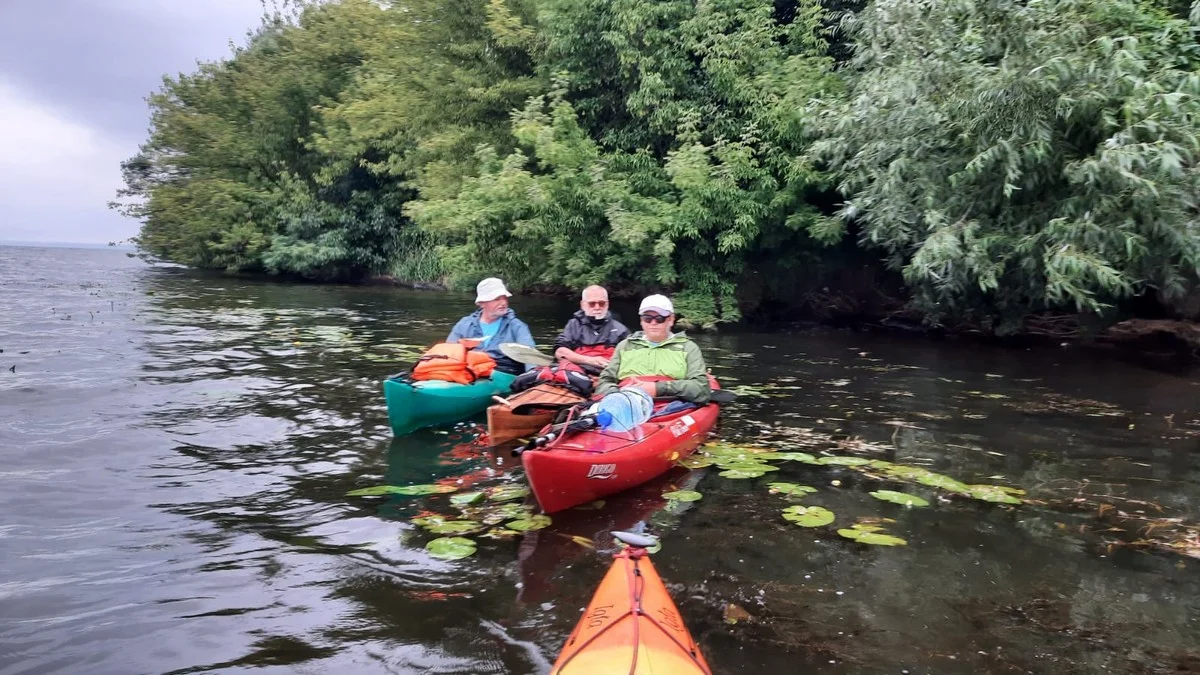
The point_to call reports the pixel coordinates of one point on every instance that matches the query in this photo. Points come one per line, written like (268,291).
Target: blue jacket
(512,329)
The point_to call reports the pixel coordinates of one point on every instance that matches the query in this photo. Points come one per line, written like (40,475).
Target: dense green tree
(1013,156)
(669,154)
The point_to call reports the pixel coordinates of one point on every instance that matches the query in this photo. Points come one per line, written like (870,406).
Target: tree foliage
(1003,157)
(1015,156)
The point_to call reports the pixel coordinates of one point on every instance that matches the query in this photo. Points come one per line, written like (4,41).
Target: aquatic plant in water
(409,490)
(790,489)
(682,496)
(536,522)
(451,548)
(808,516)
(901,498)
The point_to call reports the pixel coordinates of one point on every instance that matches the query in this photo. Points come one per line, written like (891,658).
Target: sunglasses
(597,303)
(654,318)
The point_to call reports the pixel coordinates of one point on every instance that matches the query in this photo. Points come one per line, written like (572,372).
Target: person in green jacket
(656,351)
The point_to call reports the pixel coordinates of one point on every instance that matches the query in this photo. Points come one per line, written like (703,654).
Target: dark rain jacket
(584,331)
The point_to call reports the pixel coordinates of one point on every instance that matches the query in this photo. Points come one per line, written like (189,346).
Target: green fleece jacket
(677,357)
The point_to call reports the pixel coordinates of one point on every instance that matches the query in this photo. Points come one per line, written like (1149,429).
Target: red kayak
(588,465)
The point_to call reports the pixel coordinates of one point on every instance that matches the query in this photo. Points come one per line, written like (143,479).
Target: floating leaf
(906,472)
(410,490)
(451,548)
(531,523)
(741,473)
(683,496)
(591,506)
(504,493)
(748,466)
(498,514)
(426,521)
(735,613)
(937,480)
(900,498)
(790,489)
(796,457)
(696,461)
(581,540)
(454,527)
(808,516)
(467,498)
(1018,492)
(873,538)
(499,533)
(844,461)
(991,493)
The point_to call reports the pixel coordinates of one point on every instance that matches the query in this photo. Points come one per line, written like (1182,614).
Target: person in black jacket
(590,336)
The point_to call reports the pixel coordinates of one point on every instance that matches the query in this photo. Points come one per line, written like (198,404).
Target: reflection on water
(178,448)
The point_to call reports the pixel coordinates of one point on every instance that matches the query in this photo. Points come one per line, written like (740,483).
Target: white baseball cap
(657,303)
(490,289)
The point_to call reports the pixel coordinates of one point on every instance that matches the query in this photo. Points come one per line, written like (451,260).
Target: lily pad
(1016,492)
(683,496)
(741,473)
(905,472)
(790,489)
(467,498)
(451,548)
(427,521)
(808,516)
(499,533)
(844,461)
(937,480)
(410,490)
(504,493)
(531,523)
(747,466)
(503,512)
(901,498)
(796,457)
(991,493)
(873,538)
(696,461)
(454,527)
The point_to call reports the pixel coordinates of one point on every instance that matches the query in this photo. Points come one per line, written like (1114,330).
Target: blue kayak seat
(674,407)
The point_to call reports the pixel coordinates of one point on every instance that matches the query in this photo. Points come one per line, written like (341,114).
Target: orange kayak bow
(631,626)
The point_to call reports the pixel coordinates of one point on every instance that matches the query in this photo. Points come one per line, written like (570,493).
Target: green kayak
(412,405)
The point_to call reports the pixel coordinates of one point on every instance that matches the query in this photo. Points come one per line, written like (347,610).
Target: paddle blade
(525,354)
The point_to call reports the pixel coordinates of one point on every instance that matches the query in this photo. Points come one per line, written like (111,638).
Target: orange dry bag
(453,363)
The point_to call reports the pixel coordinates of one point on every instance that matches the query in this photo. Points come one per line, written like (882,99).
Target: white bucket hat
(657,303)
(490,289)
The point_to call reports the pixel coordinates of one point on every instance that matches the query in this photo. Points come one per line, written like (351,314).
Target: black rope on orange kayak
(635,604)
(638,553)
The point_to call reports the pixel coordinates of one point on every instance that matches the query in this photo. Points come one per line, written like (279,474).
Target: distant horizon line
(119,246)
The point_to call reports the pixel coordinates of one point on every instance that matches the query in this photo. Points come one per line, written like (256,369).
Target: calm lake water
(177,449)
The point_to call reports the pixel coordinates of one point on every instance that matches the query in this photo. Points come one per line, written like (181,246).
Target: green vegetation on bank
(994,158)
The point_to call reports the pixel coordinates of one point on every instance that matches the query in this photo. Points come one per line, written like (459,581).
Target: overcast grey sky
(74,75)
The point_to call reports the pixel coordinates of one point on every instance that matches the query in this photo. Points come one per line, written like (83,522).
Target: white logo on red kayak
(602,471)
(681,426)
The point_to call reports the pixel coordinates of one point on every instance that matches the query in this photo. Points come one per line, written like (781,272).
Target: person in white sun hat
(493,324)
(657,361)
